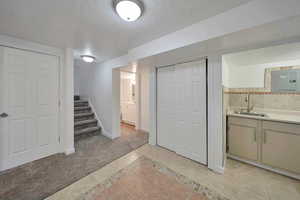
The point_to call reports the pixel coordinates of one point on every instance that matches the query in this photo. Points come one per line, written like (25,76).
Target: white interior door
(30,98)
(181,109)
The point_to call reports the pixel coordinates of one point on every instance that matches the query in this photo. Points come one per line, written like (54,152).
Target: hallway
(42,178)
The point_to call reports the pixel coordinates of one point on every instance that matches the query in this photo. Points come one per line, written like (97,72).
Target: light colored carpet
(42,178)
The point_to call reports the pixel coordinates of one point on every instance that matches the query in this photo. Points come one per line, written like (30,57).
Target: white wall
(68,103)
(76,80)
(101,95)
(247,69)
(82,79)
(144,73)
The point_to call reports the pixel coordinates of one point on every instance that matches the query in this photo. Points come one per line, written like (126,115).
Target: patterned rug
(145,179)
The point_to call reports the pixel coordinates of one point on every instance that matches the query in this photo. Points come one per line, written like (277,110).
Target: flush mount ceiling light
(128,10)
(88,59)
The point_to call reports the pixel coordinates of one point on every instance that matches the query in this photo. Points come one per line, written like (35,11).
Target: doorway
(128,105)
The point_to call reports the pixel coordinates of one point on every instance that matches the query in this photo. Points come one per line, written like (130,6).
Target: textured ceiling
(91,26)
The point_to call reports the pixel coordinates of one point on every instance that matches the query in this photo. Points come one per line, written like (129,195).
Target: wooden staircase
(85,123)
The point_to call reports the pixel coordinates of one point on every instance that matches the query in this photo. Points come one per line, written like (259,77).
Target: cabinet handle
(254,136)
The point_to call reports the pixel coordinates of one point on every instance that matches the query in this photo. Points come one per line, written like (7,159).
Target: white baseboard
(103,131)
(151,142)
(69,151)
(106,133)
(278,171)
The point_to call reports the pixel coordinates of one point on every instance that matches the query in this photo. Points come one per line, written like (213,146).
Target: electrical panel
(285,81)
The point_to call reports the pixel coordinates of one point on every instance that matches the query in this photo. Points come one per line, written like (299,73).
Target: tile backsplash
(258,100)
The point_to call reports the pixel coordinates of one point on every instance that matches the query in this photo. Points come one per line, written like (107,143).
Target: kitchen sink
(255,114)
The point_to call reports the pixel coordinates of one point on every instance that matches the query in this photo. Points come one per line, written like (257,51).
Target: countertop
(278,116)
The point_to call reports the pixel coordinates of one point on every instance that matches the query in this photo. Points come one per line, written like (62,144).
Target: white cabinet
(275,145)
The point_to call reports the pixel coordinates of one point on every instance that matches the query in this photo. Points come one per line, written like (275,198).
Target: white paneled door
(30,99)
(181,109)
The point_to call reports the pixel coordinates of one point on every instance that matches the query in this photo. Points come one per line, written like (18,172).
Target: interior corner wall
(144,98)
(216,138)
(68,102)
(76,80)
(116,104)
(82,80)
(101,95)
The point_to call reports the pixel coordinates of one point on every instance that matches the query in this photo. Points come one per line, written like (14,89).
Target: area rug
(145,179)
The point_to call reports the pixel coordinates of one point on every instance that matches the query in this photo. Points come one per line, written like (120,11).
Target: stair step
(87,130)
(81,102)
(81,108)
(76,97)
(79,115)
(85,122)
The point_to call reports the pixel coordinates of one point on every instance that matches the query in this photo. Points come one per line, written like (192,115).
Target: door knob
(4,115)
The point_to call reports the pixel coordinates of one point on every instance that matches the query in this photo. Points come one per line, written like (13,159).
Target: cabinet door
(281,146)
(242,138)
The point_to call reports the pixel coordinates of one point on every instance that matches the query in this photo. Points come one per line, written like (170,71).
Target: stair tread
(80,101)
(83,122)
(83,114)
(87,130)
(82,108)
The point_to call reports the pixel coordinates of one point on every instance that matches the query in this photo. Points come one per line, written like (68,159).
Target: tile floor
(42,178)
(145,179)
(240,181)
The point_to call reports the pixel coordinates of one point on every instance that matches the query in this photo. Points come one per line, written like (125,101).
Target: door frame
(23,45)
(156,98)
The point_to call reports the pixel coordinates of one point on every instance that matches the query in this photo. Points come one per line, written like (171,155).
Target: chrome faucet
(248,101)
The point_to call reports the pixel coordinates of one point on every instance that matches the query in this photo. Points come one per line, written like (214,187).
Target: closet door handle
(255,136)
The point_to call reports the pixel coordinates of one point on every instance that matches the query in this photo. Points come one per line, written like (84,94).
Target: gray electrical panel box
(285,80)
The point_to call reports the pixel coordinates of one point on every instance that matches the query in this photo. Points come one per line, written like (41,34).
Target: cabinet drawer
(242,121)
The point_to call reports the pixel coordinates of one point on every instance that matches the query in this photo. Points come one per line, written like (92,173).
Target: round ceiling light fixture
(129,10)
(88,59)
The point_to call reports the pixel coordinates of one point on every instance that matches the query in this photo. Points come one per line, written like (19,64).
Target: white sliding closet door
(181,109)
(30,98)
